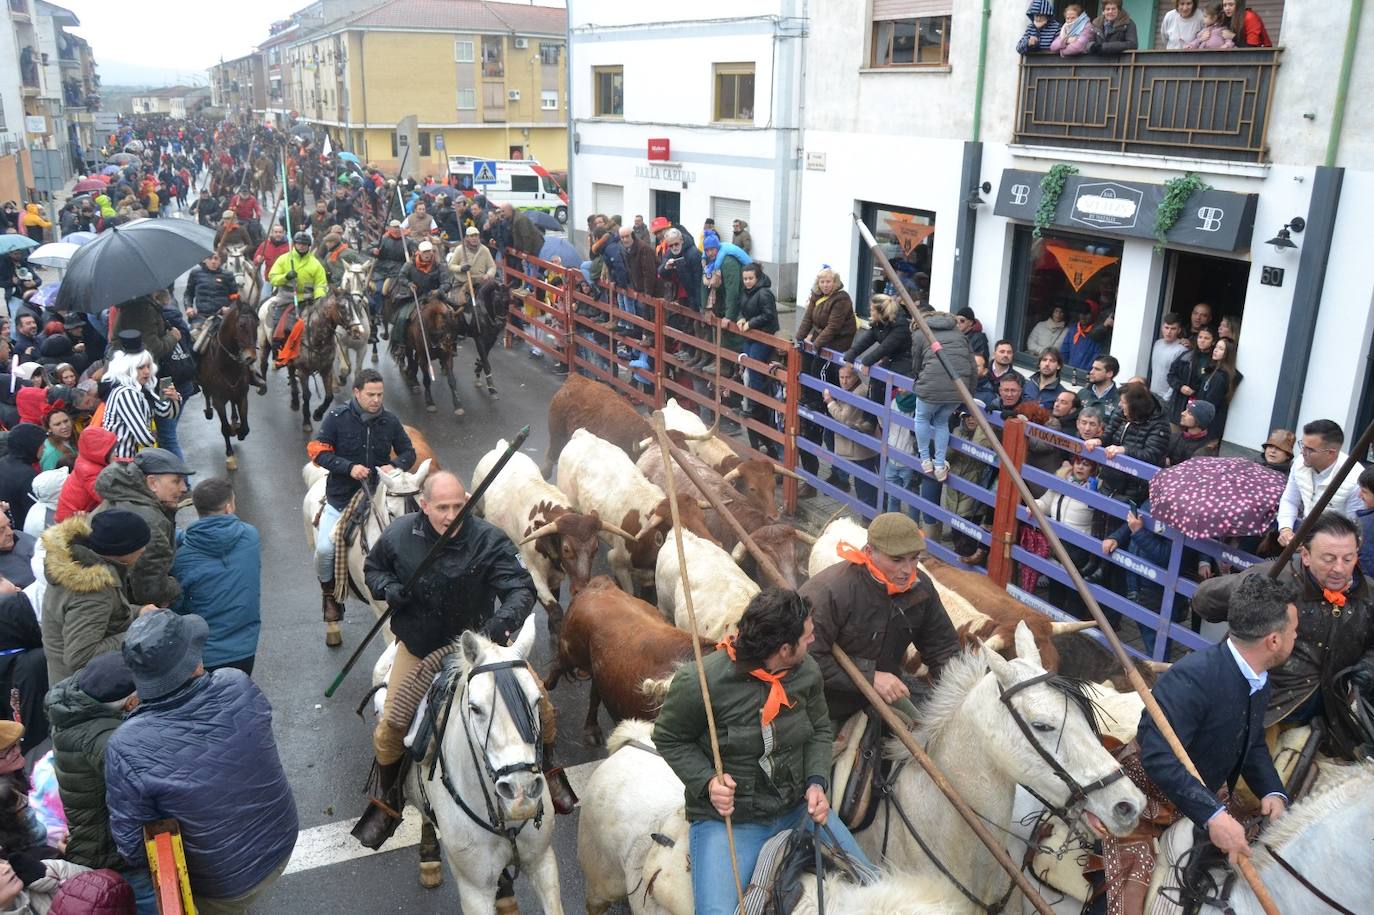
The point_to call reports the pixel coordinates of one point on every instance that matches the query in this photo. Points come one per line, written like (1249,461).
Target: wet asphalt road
(324,746)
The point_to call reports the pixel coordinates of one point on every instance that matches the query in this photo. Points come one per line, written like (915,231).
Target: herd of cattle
(628,632)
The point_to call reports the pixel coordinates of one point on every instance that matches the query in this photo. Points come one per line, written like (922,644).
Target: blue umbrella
(46,295)
(546,221)
(80,238)
(557,246)
(111,170)
(348,157)
(15,242)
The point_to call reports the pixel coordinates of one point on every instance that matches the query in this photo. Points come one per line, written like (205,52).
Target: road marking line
(333,843)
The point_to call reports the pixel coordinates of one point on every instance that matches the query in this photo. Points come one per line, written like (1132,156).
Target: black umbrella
(131,260)
(546,221)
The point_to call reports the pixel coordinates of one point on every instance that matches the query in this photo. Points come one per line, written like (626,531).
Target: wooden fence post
(790,426)
(1004,523)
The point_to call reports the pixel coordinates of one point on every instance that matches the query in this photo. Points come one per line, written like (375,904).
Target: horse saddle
(858,757)
(284,323)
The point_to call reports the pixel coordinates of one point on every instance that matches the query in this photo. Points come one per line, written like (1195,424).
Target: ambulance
(523,183)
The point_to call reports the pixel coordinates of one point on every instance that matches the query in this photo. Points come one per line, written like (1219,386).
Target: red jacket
(92,454)
(245,206)
(268,252)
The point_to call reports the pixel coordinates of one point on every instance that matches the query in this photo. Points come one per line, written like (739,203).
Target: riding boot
(386,800)
(333,613)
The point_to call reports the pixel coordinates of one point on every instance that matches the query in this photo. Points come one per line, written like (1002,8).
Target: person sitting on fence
(1192,438)
(1043,28)
(936,393)
(1321,455)
(1077,36)
(860,420)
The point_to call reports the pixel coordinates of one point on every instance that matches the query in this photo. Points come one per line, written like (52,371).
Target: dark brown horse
(432,340)
(316,358)
(225,373)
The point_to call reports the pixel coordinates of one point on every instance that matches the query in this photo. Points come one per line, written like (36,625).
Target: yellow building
(482,79)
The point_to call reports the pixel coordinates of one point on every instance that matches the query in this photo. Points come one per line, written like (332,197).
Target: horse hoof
(431,408)
(231,463)
(431,874)
(306,427)
(262,390)
(507,905)
(591,737)
(491,392)
(295,405)
(333,635)
(209,413)
(374,357)
(459,411)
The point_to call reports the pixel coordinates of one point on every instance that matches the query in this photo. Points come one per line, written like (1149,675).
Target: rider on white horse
(775,745)
(355,440)
(335,254)
(479,569)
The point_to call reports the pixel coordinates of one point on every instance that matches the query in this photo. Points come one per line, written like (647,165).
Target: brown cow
(585,404)
(620,641)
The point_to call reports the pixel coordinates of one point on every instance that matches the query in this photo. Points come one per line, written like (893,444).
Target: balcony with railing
(1199,104)
(20,10)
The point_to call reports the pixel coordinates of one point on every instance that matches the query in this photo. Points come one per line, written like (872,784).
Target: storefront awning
(1217,220)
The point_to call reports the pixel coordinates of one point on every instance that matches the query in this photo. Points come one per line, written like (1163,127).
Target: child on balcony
(1043,28)
(1214,34)
(1077,36)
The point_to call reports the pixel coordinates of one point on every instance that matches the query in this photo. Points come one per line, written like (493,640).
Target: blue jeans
(898,476)
(167,435)
(713,884)
(932,421)
(145,897)
(324,542)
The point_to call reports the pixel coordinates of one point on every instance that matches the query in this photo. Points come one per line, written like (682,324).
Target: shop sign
(665,173)
(658,150)
(1214,220)
(815,162)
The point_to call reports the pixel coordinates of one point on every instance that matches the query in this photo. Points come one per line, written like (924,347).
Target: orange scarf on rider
(777,693)
(851,553)
(1334,598)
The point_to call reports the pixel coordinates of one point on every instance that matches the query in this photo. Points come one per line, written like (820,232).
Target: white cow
(599,477)
(720,589)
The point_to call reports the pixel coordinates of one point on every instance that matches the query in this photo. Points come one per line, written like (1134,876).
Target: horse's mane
(1315,808)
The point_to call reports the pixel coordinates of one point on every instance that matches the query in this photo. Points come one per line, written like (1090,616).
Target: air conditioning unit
(521,44)
(513,95)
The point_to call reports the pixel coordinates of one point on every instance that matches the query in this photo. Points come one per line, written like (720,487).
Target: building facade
(950,165)
(238,87)
(692,119)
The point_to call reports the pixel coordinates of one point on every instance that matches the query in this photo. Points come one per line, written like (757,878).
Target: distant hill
(121,74)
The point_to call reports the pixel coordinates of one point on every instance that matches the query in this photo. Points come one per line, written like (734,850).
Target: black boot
(385,801)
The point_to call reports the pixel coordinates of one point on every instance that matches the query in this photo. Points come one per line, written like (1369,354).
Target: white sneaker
(941,472)
(928,467)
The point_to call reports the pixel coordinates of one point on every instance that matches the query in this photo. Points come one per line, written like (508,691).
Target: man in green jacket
(775,745)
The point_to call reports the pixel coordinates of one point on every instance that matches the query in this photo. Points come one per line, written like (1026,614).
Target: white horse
(240,265)
(353,334)
(965,719)
(493,718)
(389,502)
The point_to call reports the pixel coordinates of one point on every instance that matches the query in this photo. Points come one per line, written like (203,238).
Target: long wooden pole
(1008,467)
(774,574)
(661,430)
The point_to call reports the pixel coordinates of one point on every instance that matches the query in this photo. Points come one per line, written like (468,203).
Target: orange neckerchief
(1334,598)
(1079,332)
(777,693)
(851,553)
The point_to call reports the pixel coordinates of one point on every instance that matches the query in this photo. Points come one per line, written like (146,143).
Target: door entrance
(1218,281)
(668,204)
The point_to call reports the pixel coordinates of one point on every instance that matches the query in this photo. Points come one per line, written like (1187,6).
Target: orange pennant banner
(909,233)
(1079,266)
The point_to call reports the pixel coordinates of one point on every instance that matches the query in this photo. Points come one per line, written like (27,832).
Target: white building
(894,135)
(691,118)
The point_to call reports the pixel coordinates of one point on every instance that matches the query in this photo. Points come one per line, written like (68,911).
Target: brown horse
(432,338)
(226,372)
(316,357)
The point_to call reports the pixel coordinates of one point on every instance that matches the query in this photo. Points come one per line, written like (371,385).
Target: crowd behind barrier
(626,340)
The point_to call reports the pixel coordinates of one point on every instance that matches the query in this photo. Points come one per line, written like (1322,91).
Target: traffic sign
(439,141)
(484,171)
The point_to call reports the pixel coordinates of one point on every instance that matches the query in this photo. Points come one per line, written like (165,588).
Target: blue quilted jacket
(205,756)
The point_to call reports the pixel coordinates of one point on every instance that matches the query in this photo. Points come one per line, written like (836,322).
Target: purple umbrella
(1213,497)
(46,296)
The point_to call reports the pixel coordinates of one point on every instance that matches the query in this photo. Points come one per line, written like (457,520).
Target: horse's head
(441,322)
(241,323)
(495,298)
(322,316)
(500,713)
(398,490)
(1054,748)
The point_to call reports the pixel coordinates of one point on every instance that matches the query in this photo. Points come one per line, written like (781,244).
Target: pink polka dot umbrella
(1214,497)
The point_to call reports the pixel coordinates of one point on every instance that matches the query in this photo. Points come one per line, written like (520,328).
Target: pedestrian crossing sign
(484,171)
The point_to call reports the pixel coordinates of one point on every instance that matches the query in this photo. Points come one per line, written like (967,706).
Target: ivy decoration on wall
(1051,189)
(1177,193)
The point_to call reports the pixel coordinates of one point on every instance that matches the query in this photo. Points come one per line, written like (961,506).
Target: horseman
(209,287)
(472,260)
(248,212)
(419,224)
(1335,631)
(768,698)
(355,441)
(320,220)
(300,271)
(335,254)
(231,232)
(425,278)
(391,255)
(874,605)
(479,569)
(341,207)
(273,247)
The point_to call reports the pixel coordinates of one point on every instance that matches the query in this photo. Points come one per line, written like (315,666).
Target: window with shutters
(608,84)
(911,33)
(734,92)
(467,99)
(463,51)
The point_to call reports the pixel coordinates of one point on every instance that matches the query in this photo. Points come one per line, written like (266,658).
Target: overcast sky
(154,41)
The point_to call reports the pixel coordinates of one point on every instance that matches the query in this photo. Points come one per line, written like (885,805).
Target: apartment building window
(911,33)
(494,99)
(548,54)
(493,57)
(467,99)
(423,145)
(734,92)
(463,51)
(609,91)
(548,101)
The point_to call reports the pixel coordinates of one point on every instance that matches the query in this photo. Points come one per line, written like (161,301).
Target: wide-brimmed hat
(163,649)
(1281,439)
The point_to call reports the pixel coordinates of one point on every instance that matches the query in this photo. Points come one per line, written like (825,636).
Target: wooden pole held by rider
(1008,467)
(775,575)
(661,430)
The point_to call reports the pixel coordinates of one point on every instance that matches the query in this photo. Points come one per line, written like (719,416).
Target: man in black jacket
(208,288)
(478,568)
(355,441)
(1216,700)
(759,311)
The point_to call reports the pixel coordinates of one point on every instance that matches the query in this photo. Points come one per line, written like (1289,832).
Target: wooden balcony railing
(1201,104)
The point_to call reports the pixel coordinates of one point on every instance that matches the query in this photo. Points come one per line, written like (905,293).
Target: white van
(523,183)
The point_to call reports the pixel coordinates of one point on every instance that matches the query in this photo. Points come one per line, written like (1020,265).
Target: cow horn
(804,537)
(1066,628)
(700,436)
(789,473)
(733,475)
(1158,667)
(997,642)
(737,554)
(650,523)
(644,445)
(546,530)
(610,528)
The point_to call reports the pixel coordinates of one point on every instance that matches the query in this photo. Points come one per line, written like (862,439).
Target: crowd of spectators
(1190,25)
